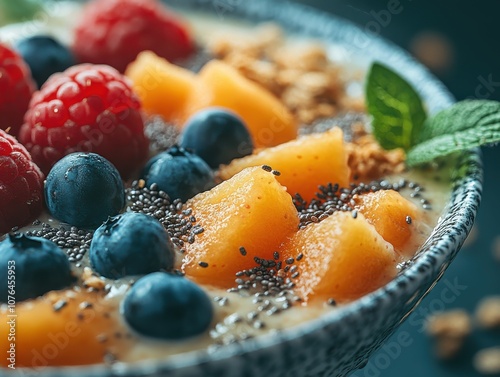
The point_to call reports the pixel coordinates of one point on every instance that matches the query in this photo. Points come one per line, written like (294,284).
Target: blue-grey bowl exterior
(341,341)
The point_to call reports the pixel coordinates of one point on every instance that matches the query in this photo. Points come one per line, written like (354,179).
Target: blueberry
(45,56)
(84,189)
(217,135)
(31,267)
(167,306)
(180,173)
(131,244)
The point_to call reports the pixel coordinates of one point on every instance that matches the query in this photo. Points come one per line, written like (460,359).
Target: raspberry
(87,108)
(16,88)
(113,32)
(21,185)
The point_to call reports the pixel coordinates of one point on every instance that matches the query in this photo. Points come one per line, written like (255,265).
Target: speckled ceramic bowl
(341,341)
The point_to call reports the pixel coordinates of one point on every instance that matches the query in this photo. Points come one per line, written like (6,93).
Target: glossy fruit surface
(31,267)
(163,87)
(167,306)
(87,108)
(84,189)
(21,185)
(16,89)
(179,173)
(45,56)
(304,163)
(61,328)
(131,244)
(113,32)
(177,94)
(250,210)
(344,258)
(217,135)
(395,218)
(268,120)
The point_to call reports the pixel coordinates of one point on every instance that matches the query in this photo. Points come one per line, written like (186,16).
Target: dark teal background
(472,27)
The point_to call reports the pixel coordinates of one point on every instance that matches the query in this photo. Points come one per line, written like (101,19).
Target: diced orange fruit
(250,210)
(176,94)
(344,258)
(388,211)
(268,120)
(304,163)
(163,88)
(45,337)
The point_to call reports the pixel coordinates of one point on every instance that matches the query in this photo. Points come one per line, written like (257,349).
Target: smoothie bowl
(241,212)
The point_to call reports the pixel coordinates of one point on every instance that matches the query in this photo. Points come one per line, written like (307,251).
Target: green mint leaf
(465,125)
(459,117)
(397,110)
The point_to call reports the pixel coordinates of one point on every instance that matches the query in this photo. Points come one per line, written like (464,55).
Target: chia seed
(203,264)
(408,219)
(331,302)
(59,305)
(267,168)
(224,301)
(259,324)
(276,173)
(252,315)
(179,222)
(179,272)
(75,242)
(85,305)
(331,198)
(243,251)
(161,135)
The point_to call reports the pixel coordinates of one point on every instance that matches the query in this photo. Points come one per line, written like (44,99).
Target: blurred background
(459,42)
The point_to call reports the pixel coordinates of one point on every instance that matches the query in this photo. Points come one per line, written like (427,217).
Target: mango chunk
(163,88)
(394,217)
(268,120)
(344,258)
(46,335)
(304,163)
(250,210)
(176,93)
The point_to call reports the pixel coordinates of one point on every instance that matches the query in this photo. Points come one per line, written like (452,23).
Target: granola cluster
(369,161)
(300,74)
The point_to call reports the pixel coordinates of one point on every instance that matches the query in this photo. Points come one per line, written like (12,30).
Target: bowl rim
(437,252)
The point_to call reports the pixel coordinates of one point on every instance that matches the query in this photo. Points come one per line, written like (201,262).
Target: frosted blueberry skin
(84,189)
(40,266)
(167,306)
(131,244)
(217,135)
(180,173)
(45,56)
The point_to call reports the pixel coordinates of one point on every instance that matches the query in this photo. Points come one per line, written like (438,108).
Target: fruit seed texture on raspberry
(87,108)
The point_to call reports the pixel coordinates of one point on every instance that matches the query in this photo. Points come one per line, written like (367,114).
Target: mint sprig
(397,110)
(463,126)
(399,120)
(459,117)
